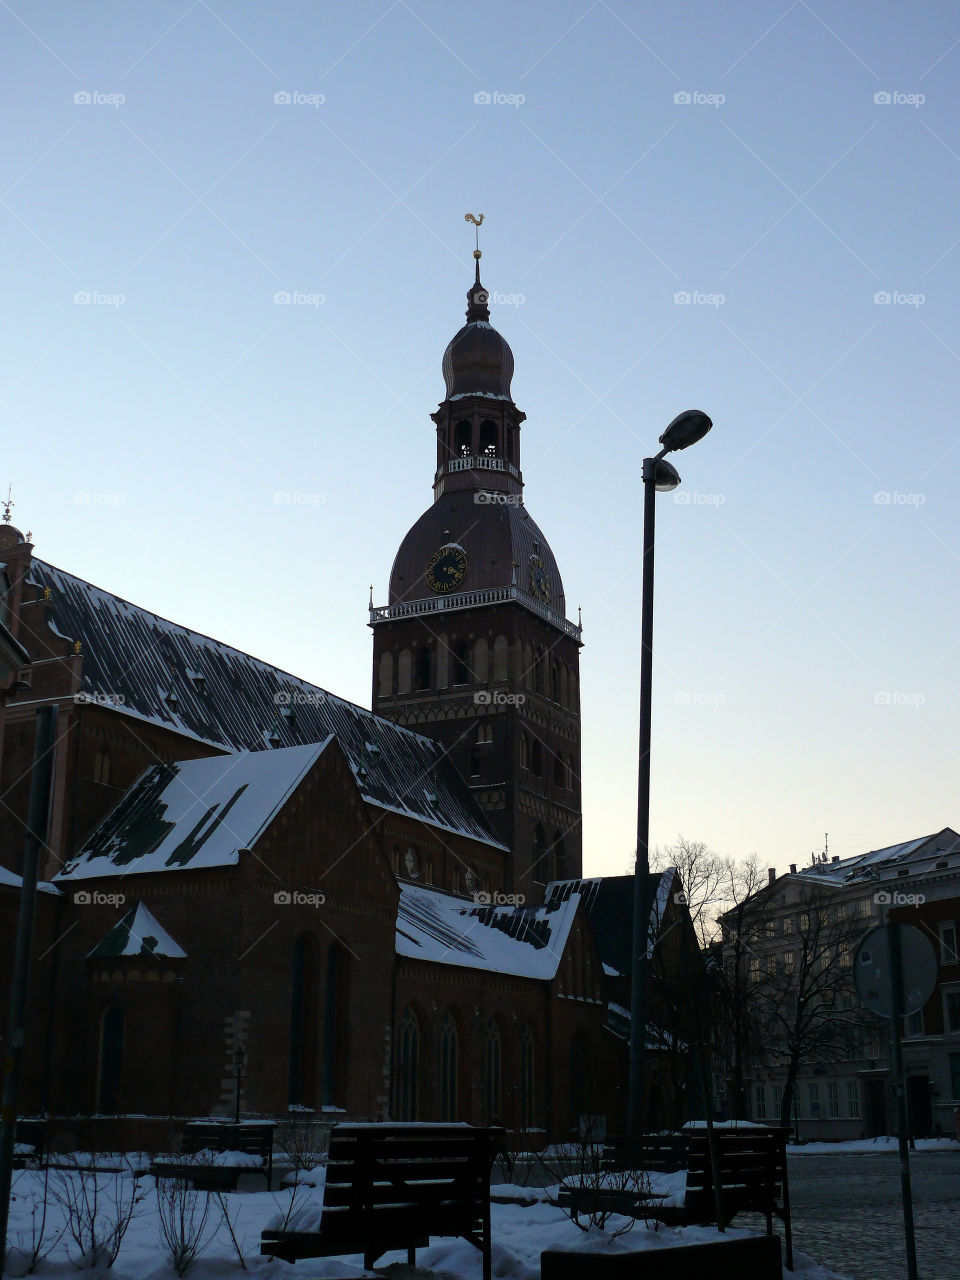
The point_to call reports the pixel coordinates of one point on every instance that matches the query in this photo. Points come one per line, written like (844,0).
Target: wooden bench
(752,1173)
(254,1139)
(656,1152)
(29,1143)
(393,1186)
(755,1256)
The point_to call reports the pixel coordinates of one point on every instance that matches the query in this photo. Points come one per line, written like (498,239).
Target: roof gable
(137,934)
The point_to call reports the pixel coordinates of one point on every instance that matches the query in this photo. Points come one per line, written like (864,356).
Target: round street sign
(871,970)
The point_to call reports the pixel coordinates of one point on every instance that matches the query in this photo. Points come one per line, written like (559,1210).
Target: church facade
(260,897)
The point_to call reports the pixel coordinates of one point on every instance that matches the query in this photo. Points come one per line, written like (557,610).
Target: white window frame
(853,1099)
(952,990)
(813,1100)
(759,1101)
(948,951)
(833,1100)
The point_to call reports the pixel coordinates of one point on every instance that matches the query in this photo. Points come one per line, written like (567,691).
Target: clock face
(472,880)
(539,580)
(447,568)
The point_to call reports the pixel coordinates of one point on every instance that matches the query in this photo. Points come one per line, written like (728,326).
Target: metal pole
(641,895)
(41,774)
(896,984)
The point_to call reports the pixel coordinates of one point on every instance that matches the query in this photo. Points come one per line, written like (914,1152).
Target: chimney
(836,858)
(793,868)
(771,874)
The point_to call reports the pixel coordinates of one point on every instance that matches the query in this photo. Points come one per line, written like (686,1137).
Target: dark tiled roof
(159,671)
(608,901)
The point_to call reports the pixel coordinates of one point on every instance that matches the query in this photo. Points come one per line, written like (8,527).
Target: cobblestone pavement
(848,1215)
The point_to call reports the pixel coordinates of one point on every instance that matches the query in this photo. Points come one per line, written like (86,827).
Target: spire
(8,503)
(477,308)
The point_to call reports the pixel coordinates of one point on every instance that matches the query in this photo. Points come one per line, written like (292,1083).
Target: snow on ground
(520,1233)
(870,1145)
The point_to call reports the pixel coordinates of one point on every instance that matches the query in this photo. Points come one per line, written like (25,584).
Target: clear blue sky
(807,635)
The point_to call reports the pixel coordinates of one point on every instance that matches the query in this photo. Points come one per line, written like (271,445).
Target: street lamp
(659,476)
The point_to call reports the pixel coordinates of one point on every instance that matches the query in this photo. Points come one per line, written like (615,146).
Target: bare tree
(703,875)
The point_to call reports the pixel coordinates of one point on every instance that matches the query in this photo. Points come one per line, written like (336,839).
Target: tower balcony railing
(473,600)
(480,463)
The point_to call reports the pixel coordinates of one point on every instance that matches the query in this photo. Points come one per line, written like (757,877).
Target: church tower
(474,647)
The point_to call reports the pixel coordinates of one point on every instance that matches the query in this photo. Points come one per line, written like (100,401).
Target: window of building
(448,1068)
(803,922)
(813,1101)
(461,440)
(539,855)
(386,675)
(753,968)
(461,664)
(913,1026)
(501,652)
(536,759)
(492,1073)
(424,668)
(759,1102)
(788,924)
(840,912)
(951,1009)
(524,751)
(865,907)
(528,1114)
(303,1021)
(110,1066)
(334,1075)
(948,943)
(777,1101)
(955,1076)
(853,1099)
(558,771)
(488,439)
(789,962)
(101,767)
(408,1067)
(833,1100)
(484,732)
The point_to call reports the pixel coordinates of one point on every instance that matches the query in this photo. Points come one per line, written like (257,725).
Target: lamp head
(665,476)
(686,429)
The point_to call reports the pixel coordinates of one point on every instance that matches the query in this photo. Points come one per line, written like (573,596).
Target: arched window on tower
(511,445)
(559,858)
(404,671)
(386,675)
(461,663)
(424,668)
(488,439)
(558,770)
(492,1053)
(448,1067)
(408,1068)
(461,440)
(555,682)
(524,751)
(536,759)
(528,1111)
(501,652)
(481,652)
(540,670)
(101,767)
(5,597)
(539,855)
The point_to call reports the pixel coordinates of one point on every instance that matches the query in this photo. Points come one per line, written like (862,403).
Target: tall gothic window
(524,752)
(303,1021)
(559,858)
(461,663)
(335,1027)
(101,767)
(536,759)
(408,1067)
(492,1055)
(110,1066)
(448,1068)
(488,439)
(423,668)
(386,675)
(528,1110)
(461,440)
(539,855)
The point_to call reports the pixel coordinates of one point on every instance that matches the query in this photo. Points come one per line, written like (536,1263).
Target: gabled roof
(147,667)
(195,813)
(524,941)
(608,901)
(137,934)
(845,869)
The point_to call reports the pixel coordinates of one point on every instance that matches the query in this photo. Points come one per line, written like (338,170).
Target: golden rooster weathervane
(478,223)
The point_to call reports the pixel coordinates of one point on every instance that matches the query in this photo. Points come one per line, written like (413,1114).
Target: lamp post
(239,1054)
(659,476)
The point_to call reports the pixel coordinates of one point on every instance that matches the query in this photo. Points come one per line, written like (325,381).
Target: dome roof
(478,361)
(495,537)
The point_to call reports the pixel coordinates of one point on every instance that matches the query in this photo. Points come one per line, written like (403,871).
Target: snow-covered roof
(524,941)
(146,667)
(13,881)
(844,869)
(608,901)
(195,813)
(137,934)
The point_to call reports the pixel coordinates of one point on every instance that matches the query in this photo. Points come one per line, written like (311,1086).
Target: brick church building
(257,893)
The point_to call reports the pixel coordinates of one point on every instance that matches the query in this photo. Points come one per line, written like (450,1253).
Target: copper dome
(478,360)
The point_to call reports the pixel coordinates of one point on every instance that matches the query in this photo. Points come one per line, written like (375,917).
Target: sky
(746,208)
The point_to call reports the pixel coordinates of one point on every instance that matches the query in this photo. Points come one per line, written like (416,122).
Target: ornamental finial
(8,504)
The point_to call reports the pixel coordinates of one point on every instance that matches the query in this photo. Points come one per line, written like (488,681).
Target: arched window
(408,1067)
(573,703)
(386,675)
(524,752)
(335,1016)
(511,449)
(461,440)
(500,658)
(528,1111)
(564,690)
(484,732)
(448,1066)
(555,682)
(536,759)
(488,439)
(101,767)
(480,656)
(528,666)
(424,668)
(461,663)
(492,1055)
(559,858)
(539,669)
(558,770)
(303,1022)
(110,1066)
(404,671)
(579,1082)
(539,855)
